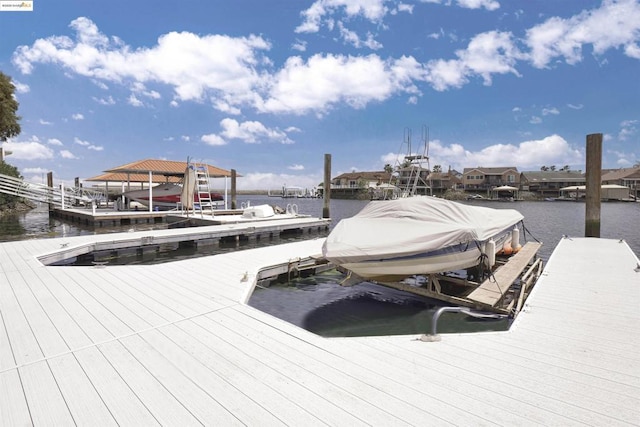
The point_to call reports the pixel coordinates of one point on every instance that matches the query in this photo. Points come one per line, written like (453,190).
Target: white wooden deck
(148,345)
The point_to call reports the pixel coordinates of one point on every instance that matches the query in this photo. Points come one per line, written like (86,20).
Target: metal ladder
(203,191)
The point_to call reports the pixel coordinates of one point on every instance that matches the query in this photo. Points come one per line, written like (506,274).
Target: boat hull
(449,259)
(165,196)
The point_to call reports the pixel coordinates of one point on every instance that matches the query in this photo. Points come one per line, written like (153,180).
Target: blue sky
(269,87)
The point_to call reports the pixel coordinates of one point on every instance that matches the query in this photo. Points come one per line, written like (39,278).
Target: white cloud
(535,120)
(615,24)
(547,111)
(352,38)
(134,101)
(371,10)
(575,107)
(81,142)
(191,64)
(525,155)
(66,154)
(296,167)
(34,170)
(213,139)
(28,150)
(44,122)
(21,87)
(105,101)
(95,147)
(627,129)
(77,116)
(486,54)
(54,141)
(478,4)
(252,132)
(185,138)
(325,80)
(299,45)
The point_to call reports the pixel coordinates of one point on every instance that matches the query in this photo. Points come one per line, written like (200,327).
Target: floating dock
(174,344)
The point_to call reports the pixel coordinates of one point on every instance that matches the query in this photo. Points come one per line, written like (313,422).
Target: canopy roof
(162,171)
(134,177)
(505,188)
(584,187)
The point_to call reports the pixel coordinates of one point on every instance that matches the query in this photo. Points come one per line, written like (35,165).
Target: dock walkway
(171,344)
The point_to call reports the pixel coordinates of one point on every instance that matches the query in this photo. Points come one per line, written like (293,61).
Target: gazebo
(513,191)
(154,171)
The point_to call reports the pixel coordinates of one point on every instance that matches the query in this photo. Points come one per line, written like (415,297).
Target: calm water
(319,304)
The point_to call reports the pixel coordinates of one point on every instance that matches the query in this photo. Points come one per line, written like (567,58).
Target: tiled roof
(626,173)
(164,167)
(491,171)
(553,176)
(134,177)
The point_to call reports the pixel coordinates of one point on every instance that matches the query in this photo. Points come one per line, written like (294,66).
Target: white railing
(60,196)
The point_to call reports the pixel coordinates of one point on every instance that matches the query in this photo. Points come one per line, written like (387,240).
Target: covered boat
(394,239)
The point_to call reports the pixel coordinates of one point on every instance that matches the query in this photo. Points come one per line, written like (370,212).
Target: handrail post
(434,322)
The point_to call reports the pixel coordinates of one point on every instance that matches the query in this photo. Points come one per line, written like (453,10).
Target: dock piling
(326,193)
(593,185)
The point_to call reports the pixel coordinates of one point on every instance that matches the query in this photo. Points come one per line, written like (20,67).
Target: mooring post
(234,202)
(326,193)
(593,185)
(50,189)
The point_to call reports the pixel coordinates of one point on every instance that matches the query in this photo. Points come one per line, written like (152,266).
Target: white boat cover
(413,225)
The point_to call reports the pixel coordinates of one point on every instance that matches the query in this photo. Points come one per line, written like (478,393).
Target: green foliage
(9,120)
(7,201)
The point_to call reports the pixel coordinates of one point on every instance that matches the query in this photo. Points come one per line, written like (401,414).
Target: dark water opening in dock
(319,303)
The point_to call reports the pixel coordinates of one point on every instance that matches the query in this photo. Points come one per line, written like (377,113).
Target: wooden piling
(593,185)
(50,185)
(234,202)
(326,193)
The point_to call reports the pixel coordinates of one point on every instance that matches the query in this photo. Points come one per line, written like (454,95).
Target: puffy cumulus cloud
(193,65)
(486,54)
(28,150)
(325,80)
(81,142)
(77,116)
(21,87)
(296,167)
(252,132)
(528,154)
(213,139)
(371,10)
(615,24)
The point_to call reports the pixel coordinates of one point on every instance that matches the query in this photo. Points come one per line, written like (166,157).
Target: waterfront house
(628,177)
(443,181)
(549,183)
(475,179)
(359,185)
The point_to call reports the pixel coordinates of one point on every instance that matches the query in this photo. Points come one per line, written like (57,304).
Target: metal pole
(327,187)
(593,185)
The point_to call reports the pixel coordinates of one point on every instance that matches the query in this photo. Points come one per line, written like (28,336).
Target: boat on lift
(419,235)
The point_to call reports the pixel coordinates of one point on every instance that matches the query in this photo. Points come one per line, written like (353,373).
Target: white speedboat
(165,196)
(394,239)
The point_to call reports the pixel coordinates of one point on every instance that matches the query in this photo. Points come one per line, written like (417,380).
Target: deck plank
(493,289)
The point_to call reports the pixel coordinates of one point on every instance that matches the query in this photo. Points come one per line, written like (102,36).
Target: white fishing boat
(394,239)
